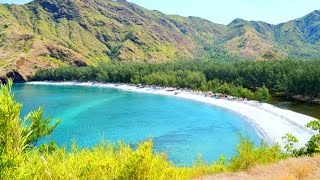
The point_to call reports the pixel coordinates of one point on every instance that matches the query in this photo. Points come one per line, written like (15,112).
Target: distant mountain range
(52,33)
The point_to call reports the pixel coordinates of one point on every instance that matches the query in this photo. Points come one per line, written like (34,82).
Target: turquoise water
(183,129)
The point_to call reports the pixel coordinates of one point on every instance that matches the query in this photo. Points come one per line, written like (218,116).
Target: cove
(182,128)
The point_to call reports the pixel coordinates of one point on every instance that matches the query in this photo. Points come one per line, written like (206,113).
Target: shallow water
(183,129)
(309,109)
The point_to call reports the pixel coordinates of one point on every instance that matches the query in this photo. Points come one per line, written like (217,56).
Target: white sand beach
(271,122)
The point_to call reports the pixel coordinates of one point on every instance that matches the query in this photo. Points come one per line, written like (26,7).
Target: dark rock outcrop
(15,76)
(61,8)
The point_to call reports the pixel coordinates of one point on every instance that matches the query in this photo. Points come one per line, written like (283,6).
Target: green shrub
(313,145)
(12,136)
(262,94)
(290,142)
(18,135)
(249,155)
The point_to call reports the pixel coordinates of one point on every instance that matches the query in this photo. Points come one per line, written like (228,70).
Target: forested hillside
(54,33)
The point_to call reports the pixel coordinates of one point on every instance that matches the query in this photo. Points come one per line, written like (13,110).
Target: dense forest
(291,78)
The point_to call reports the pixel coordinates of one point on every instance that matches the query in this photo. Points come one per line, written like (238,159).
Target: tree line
(293,78)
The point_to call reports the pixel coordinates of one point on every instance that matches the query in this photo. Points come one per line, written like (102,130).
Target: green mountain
(298,38)
(53,33)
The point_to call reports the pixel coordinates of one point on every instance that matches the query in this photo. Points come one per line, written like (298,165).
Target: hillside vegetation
(54,33)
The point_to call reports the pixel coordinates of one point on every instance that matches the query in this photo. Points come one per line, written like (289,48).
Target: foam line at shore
(271,122)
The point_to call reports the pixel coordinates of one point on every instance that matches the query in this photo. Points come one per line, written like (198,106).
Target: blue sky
(224,11)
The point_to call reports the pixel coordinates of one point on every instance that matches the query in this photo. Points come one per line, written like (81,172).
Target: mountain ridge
(52,33)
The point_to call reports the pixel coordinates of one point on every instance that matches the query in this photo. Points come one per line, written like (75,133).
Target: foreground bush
(18,135)
(105,161)
(249,155)
(109,161)
(19,159)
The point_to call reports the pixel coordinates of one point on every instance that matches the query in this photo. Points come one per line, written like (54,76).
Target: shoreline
(271,123)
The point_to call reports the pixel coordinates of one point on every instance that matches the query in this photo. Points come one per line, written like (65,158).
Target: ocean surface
(182,128)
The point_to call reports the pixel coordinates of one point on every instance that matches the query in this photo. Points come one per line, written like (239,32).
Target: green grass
(4,64)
